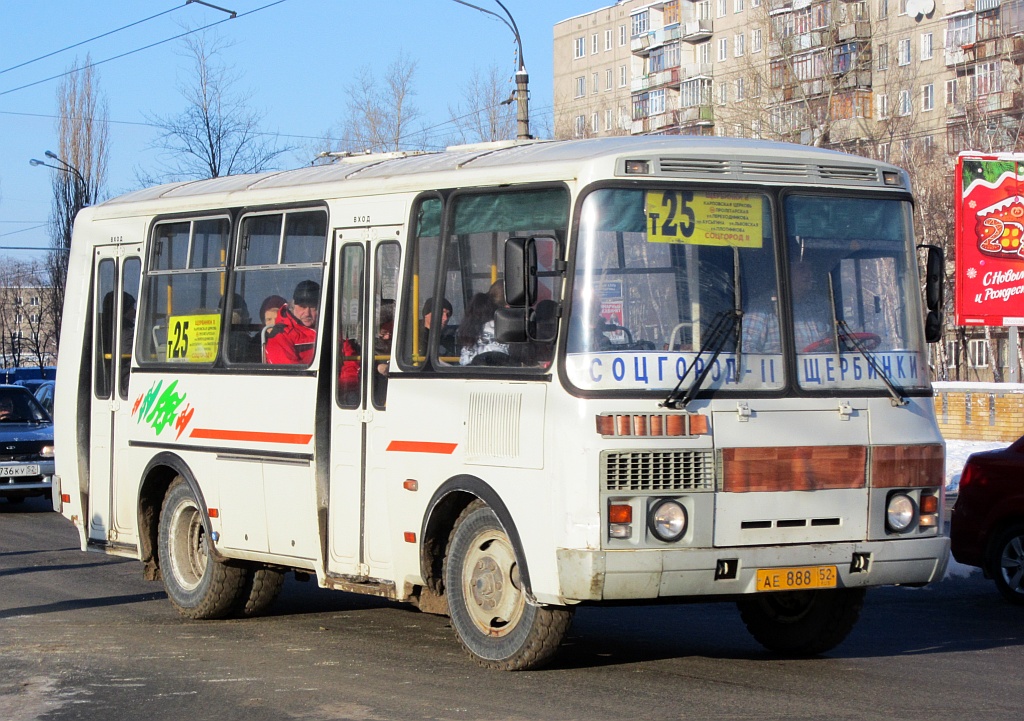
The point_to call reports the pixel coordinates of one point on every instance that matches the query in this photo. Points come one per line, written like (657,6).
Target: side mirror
(933,327)
(520,272)
(934,277)
(509,325)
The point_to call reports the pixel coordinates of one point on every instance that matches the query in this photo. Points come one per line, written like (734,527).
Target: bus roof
(691,157)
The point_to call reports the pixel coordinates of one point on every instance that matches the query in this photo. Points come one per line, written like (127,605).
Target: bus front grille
(658,470)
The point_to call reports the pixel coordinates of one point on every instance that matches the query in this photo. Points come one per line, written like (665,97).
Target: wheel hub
(487,584)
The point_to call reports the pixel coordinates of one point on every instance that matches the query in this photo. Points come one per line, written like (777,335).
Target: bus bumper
(587,575)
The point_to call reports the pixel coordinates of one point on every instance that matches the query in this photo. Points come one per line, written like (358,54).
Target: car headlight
(667,520)
(46,451)
(900,512)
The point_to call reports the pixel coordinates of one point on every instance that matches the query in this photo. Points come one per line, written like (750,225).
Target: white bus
(622,370)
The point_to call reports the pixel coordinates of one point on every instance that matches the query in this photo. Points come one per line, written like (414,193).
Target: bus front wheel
(198,585)
(801,623)
(489,610)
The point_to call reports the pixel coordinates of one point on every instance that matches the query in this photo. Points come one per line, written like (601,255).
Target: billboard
(989,239)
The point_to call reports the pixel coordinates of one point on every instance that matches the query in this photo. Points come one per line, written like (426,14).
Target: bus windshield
(670,281)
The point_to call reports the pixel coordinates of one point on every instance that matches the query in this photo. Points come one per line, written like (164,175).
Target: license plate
(796,579)
(8,471)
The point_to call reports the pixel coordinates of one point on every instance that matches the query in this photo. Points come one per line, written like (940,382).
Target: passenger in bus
(382,350)
(243,344)
(476,333)
(348,376)
(447,343)
(269,310)
(293,339)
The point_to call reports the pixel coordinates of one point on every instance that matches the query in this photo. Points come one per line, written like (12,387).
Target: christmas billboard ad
(990,239)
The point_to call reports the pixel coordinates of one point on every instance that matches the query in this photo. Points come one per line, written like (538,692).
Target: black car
(26,445)
(44,394)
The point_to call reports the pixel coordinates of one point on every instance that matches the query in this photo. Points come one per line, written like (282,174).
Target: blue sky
(294,59)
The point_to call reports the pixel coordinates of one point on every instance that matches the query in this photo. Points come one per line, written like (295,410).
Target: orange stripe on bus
(422,447)
(256,436)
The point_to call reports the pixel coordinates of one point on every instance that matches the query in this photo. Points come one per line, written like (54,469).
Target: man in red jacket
(293,339)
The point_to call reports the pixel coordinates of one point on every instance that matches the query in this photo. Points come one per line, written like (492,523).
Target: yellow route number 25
(696,218)
(193,338)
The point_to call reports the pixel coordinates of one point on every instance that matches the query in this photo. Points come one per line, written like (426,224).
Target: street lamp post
(522,77)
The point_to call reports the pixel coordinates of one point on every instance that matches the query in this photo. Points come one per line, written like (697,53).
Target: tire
(1006,563)
(198,585)
(495,622)
(801,623)
(261,588)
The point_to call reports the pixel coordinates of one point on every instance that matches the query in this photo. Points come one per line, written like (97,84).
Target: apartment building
(890,78)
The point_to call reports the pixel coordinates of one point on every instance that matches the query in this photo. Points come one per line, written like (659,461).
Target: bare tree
(380,115)
(488,110)
(79,171)
(218,133)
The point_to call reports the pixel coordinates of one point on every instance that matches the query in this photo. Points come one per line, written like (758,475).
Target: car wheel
(1006,563)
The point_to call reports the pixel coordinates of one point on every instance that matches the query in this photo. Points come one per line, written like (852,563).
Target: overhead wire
(97,37)
(139,50)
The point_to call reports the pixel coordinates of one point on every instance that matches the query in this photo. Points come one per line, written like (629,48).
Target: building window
(593,123)
(723,48)
(593,44)
(977,353)
(903,52)
(608,119)
(581,86)
(581,125)
(960,31)
(883,56)
(656,102)
(704,10)
(722,8)
(595,83)
(580,47)
(737,6)
(883,8)
(623,76)
(928,97)
(33,317)
(704,53)
(903,100)
(723,93)
(987,79)
(741,89)
(951,92)
(34,300)
(607,40)
(608,79)
(882,101)
(928,146)
(926,46)
(740,45)
(622,35)
(755,40)
(640,22)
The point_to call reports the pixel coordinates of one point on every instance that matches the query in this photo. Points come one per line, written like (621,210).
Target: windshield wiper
(844,333)
(721,328)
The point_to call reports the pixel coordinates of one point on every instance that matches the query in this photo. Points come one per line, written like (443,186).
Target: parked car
(26,445)
(987,523)
(44,394)
(31,383)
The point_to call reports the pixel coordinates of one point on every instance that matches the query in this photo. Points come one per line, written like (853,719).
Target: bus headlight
(667,520)
(900,512)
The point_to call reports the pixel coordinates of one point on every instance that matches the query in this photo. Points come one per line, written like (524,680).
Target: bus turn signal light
(620,520)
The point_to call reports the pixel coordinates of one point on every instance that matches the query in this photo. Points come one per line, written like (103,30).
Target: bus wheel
(198,585)
(489,610)
(801,623)
(260,591)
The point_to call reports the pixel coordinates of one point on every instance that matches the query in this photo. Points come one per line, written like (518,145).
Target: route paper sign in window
(696,218)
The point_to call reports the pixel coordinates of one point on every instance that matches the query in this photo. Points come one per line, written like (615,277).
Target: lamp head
(51,154)
(33,162)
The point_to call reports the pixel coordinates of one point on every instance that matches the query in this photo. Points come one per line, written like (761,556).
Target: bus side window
(385,287)
(420,276)
(351,279)
(131,272)
(103,338)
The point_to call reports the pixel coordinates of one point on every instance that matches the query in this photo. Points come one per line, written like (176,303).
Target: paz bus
(538,374)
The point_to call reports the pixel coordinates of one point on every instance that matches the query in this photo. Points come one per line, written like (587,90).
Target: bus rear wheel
(801,623)
(261,589)
(198,585)
(489,610)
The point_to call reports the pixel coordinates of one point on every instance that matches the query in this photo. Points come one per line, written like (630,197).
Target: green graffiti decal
(158,407)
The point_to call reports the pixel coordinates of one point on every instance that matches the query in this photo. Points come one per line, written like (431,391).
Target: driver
(812,315)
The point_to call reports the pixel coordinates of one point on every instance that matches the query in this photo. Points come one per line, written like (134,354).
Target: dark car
(987,524)
(44,394)
(26,445)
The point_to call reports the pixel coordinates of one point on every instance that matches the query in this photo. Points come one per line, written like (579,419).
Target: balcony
(954,56)
(654,80)
(697,115)
(694,31)
(696,70)
(860,30)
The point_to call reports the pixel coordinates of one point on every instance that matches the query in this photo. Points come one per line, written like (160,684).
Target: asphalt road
(83,636)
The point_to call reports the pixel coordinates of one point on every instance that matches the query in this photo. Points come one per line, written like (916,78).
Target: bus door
(366,289)
(117,274)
